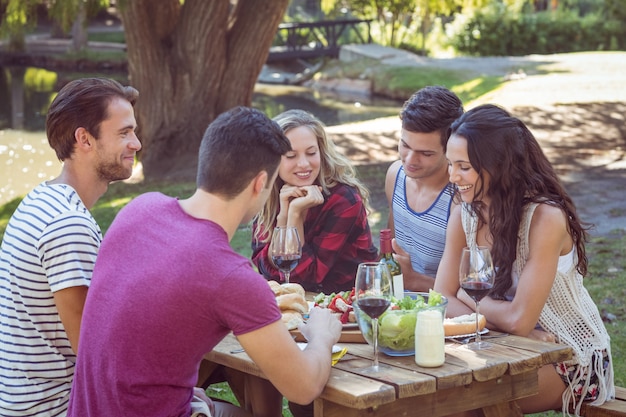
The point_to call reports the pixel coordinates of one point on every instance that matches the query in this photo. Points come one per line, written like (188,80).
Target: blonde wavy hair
(334,169)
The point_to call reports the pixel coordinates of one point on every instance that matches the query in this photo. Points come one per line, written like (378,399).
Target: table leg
(261,397)
(206,371)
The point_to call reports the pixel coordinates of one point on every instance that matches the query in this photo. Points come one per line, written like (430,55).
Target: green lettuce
(396,327)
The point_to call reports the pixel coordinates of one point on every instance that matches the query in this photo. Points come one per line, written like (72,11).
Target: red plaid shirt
(337,239)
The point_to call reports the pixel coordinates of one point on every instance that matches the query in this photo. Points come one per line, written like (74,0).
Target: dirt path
(575,104)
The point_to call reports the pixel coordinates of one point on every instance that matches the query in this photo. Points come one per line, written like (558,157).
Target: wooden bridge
(302,40)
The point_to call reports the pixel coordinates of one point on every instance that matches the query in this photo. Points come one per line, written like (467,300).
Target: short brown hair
(82,103)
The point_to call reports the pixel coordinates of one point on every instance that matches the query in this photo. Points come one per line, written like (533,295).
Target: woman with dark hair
(514,204)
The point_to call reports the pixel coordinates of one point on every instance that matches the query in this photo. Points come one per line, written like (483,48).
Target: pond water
(25,94)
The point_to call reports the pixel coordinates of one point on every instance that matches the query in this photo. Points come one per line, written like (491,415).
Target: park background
(558,65)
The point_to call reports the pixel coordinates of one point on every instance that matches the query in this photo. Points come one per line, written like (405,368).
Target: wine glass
(285,249)
(373,296)
(476,276)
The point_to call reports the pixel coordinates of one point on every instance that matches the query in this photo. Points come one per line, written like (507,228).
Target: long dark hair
(519,173)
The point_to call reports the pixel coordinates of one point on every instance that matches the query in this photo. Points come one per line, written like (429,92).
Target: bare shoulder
(548,228)
(547,214)
(394,168)
(392,172)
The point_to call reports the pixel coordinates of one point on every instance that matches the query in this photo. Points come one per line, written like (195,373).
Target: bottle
(386,257)
(429,339)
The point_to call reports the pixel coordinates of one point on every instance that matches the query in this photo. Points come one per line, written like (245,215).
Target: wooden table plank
(357,392)
(422,380)
(493,362)
(363,391)
(490,379)
(550,352)
(406,383)
(493,395)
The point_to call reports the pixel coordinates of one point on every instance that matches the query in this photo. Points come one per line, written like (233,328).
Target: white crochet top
(569,313)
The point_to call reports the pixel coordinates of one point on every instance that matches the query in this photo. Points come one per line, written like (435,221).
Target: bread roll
(292,319)
(276,287)
(465,324)
(293,301)
(292,287)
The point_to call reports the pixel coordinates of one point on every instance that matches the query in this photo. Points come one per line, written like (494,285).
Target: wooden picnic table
(491,379)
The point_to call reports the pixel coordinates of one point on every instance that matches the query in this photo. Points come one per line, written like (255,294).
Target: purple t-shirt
(166,289)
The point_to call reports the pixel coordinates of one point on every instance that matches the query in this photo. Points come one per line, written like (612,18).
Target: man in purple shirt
(167,288)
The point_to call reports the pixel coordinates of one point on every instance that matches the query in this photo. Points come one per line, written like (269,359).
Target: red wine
(477,290)
(373,306)
(286,263)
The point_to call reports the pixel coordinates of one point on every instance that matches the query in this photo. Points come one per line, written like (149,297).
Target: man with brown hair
(50,245)
(417,186)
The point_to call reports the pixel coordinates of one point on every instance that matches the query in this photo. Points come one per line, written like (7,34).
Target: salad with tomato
(340,303)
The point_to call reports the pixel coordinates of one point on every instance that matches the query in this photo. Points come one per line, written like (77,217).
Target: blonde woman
(317,192)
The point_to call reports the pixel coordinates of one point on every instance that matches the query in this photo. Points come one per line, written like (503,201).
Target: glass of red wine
(476,276)
(373,297)
(285,249)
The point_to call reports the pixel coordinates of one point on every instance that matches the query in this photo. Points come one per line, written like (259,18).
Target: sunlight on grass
(476,87)
(606,281)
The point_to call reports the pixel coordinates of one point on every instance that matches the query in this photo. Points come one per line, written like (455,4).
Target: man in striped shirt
(51,242)
(417,186)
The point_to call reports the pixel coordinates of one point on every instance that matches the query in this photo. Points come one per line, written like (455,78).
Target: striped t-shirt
(50,244)
(421,235)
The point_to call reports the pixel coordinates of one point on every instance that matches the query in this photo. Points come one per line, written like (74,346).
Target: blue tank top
(422,235)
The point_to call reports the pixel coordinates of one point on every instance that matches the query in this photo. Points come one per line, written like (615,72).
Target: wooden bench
(615,408)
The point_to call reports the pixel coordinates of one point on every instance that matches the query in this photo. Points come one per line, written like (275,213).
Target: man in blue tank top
(417,186)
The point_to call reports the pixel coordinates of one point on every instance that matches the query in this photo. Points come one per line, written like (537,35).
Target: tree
(191,61)
(396,18)
(16,20)
(20,16)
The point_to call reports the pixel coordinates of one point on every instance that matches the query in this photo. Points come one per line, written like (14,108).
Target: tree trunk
(17,97)
(190,62)
(79,29)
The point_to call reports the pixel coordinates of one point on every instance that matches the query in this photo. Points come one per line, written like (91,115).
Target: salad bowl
(396,326)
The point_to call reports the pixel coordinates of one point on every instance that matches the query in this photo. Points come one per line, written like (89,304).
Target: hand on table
(542,335)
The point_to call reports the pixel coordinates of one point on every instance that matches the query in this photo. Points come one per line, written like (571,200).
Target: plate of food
(294,307)
(340,304)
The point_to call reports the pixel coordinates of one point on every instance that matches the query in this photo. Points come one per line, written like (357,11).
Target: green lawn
(607,272)
(606,281)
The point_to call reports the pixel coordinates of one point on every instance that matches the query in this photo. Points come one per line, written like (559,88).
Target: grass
(400,82)
(107,36)
(606,281)
(607,270)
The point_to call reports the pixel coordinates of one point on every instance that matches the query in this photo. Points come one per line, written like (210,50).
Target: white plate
(461,336)
(336,349)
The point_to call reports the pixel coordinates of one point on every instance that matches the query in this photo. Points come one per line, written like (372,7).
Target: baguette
(293,301)
(292,319)
(292,287)
(465,324)
(276,287)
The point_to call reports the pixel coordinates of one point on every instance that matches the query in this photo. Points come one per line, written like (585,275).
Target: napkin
(338,355)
